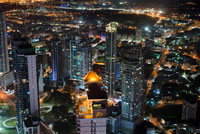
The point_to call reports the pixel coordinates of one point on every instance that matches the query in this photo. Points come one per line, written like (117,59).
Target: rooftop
(95,92)
(92,77)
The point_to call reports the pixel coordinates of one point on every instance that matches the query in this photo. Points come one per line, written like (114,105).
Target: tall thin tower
(111,42)
(56,71)
(4,63)
(26,90)
(132,88)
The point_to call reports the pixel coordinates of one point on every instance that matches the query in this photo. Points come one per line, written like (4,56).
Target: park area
(6,114)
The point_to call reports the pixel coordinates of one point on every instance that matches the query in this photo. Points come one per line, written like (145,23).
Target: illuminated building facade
(132,88)
(80,59)
(92,77)
(75,59)
(41,81)
(56,71)
(138,35)
(26,90)
(4,62)
(86,54)
(66,57)
(91,112)
(111,46)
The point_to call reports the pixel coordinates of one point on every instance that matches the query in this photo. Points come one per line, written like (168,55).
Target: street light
(147,29)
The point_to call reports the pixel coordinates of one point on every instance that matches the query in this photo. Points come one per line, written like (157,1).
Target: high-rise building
(66,56)
(111,46)
(26,89)
(4,62)
(189,110)
(86,54)
(44,58)
(80,59)
(91,112)
(6,76)
(132,88)
(56,57)
(75,59)
(138,35)
(41,81)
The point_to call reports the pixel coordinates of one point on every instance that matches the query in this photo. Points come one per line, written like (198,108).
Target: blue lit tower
(132,88)
(66,56)
(111,46)
(4,63)
(26,89)
(56,57)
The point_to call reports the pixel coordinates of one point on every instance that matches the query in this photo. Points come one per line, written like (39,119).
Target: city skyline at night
(99,67)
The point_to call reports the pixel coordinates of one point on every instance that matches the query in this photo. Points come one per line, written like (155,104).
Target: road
(10,99)
(154,72)
(155,122)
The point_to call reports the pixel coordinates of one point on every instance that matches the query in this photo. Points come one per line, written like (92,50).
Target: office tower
(66,57)
(80,59)
(7,82)
(91,107)
(86,54)
(189,110)
(44,58)
(4,63)
(40,81)
(132,88)
(56,59)
(111,45)
(26,90)
(6,76)
(75,59)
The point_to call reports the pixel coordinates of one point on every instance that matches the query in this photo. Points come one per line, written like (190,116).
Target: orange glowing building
(92,77)
(91,105)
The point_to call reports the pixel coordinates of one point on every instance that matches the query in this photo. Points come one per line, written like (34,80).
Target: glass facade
(132,89)
(4,63)
(111,45)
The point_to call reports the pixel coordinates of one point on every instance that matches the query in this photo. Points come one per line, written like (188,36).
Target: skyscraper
(138,35)
(92,120)
(41,81)
(26,90)
(189,110)
(56,49)
(111,45)
(75,59)
(66,57)
(80,59)
(4,63)
(86,54)
(132,88)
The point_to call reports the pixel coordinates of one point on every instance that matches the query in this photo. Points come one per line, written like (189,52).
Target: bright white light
(0,129)
(160,11)
(147,29)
